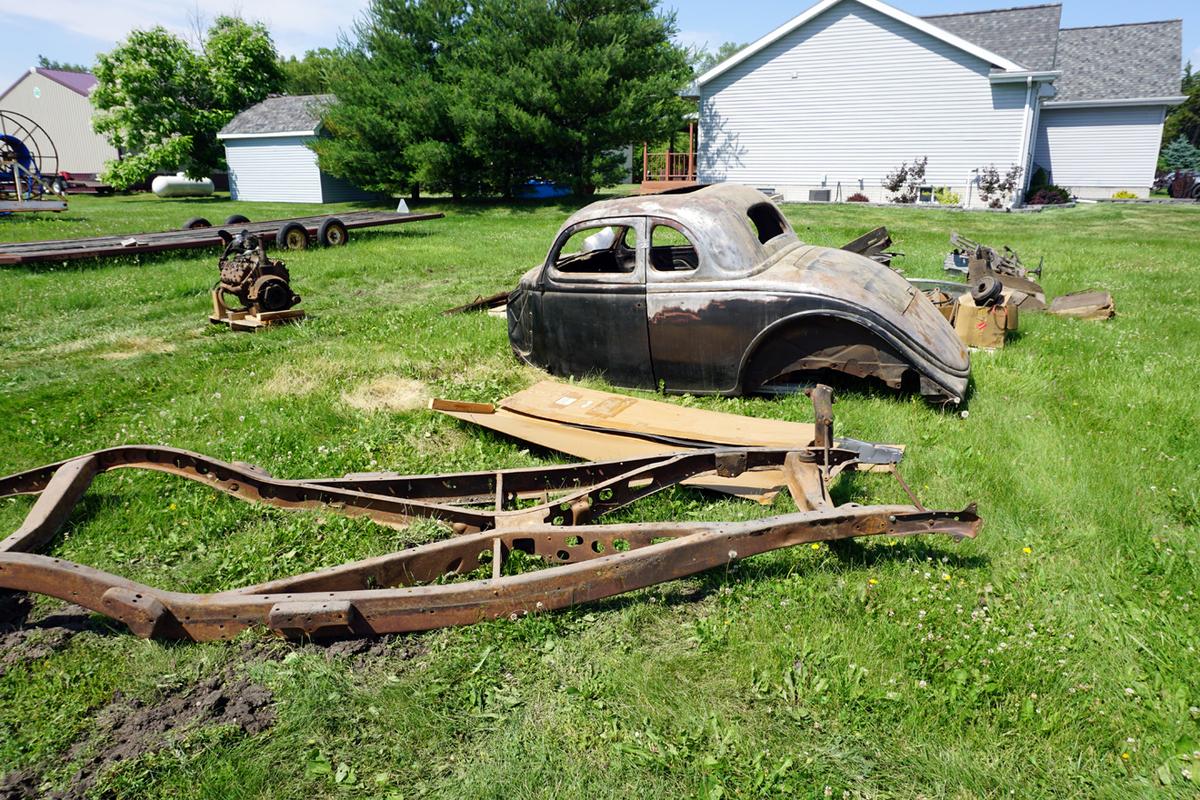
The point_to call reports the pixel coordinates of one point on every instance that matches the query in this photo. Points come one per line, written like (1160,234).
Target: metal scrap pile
(550,513)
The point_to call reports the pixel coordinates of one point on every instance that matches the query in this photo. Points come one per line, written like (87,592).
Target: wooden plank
(603,446)
(576,405)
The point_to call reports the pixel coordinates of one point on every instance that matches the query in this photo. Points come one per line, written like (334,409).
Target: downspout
(1026,150)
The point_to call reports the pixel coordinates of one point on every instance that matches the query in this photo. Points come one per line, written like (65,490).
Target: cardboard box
(983,327)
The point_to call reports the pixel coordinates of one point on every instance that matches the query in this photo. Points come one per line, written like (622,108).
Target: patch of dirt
(135,346)
(23,642)
(389,394)
(128,728)
(300,380)
(19,785)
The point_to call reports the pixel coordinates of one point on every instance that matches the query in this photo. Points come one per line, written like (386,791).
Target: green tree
(566,85)
(62,66)
(1181,154)
(481,96)
(315,73)
(1184,119)
(391,126)
(704,59)
(161,104)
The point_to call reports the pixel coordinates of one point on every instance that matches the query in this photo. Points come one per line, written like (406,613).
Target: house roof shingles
(284,114)
(1027,35)
(1119,62)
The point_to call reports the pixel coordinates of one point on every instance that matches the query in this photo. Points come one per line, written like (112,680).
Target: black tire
(195,223)
(332,233)
(292,236)
(59,186)
(236,219)
(987,291)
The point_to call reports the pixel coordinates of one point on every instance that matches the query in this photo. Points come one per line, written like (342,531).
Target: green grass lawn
(1053,657)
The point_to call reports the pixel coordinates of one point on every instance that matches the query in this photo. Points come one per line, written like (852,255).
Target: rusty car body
(712,292)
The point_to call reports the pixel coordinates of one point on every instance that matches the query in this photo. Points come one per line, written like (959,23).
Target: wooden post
(645,161)
(670,145)
(691,176)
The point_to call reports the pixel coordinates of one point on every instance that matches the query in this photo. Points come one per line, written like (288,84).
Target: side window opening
(671,250)
(766,221)
(598,250)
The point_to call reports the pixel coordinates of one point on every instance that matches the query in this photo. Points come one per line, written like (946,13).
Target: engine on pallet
(261,284)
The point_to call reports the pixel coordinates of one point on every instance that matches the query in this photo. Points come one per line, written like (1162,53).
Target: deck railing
(668,166)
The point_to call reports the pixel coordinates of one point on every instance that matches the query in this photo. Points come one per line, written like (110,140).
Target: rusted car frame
(410,590)
(732,302)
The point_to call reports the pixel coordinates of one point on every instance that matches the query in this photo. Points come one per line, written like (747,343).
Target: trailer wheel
(236,219)
(292,236)
(332,233)
(196,223)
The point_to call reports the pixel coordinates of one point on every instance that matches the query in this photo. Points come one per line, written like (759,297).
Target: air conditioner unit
(820,195)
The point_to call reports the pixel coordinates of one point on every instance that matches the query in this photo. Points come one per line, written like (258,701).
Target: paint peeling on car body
(732,302)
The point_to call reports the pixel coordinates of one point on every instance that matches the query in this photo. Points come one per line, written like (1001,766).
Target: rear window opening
(766,221)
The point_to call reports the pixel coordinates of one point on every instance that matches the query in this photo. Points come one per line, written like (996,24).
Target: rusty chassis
(411,590)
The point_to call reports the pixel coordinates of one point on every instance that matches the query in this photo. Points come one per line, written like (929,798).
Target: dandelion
(1027,550)
(1124,756)
(873,582)
(946,576)
(171,507)
(816,545)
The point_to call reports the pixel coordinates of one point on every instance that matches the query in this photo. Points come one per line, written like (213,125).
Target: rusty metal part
(260,284)
(393,593)
(875,245)
(731,302)
(980,261)
(480,303)
(1085,305)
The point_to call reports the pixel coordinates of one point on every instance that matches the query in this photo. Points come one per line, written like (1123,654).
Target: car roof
(716,215)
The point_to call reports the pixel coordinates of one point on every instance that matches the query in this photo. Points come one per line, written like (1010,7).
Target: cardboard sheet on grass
(600,426)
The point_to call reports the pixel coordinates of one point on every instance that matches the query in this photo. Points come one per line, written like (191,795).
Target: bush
(858,197)
(1049,195)
(993,189)
(1124,195)
(945,197)
(905,183)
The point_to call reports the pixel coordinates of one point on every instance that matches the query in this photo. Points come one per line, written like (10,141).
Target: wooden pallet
(248,322)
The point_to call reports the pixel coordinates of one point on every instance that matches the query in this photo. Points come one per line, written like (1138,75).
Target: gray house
(839,96)
(266,147)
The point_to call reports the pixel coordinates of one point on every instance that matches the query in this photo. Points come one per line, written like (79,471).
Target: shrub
(1124,195)
(905,183)
(1049,195)
(994,190)
(858,197)
(945,197)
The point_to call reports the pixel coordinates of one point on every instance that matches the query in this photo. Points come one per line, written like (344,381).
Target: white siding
(848,97)
(1097,151)
(66,116)
(279,169)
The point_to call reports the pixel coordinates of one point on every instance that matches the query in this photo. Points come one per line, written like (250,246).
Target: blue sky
(75,30)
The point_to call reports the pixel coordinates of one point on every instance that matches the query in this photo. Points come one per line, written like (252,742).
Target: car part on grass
(987,291)
(712,292)
(603,426)
(979,261)
(1184,185)
(28,166)
(1085,305)
(259,283)
(494,301)
(875,245)
(414,589)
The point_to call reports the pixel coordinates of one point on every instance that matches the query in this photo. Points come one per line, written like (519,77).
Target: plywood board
(602,446)
(575,405)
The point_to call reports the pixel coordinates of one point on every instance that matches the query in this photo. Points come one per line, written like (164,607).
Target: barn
(266,147)
(834,100)
(58,101)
